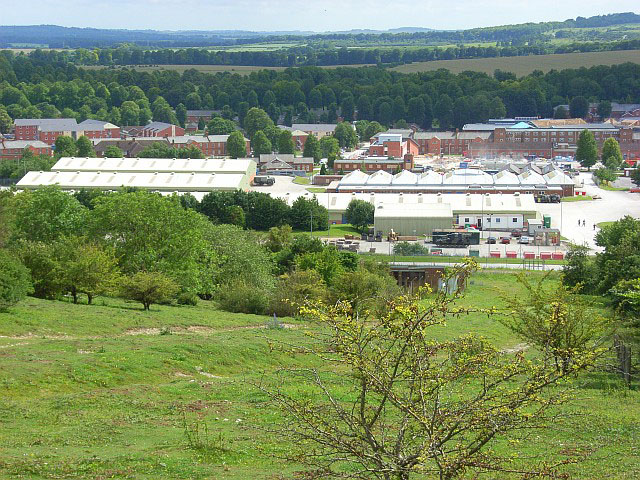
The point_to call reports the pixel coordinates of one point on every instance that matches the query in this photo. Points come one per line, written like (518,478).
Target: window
(466,220)
(497,220)
(515,220)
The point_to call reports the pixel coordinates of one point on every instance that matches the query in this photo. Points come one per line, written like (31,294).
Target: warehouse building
(457,181)
(164,175)
(406,212)
(244,166)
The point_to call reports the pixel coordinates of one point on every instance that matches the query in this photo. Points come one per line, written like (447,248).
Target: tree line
(40,85)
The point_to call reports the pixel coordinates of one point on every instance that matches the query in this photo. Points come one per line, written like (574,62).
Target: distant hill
(54,36)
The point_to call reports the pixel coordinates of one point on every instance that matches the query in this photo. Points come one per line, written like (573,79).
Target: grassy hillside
(526,65)
(110,391)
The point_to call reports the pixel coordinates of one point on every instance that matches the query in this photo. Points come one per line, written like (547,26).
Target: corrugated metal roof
(177,165)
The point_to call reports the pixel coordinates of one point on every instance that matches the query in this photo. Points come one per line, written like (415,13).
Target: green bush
(410,249)
(243,298)
(15,280)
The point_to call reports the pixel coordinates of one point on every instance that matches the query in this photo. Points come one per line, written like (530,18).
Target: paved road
(612,206)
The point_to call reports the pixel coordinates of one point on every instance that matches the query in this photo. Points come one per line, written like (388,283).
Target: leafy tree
(587,152)
(263,211)
(46,214)
(65,147)
(5,121)
(443,111)
(41,261)
(329,147)
(152,233)
(181,114)
(256,120)
(346,135)
(236,145)
(15,281)
(560,113)
(555,320)
(261,144)
(611,154)
(308,214)
(360,214)
(323,169)
(604,109)
(85,267)
(605,175)
(85,147)
(148,288)
(278,238)
(415,110)
(285,142)
(239,259)
(635,177)
(112,151)
(579,271)
(312,148)
(327,263)
(220,126)
(165,150)
(621,257)
(406,405)
(201,124)
(579,107)
(372,129)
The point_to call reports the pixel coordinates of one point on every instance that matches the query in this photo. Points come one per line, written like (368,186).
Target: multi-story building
(209,145)
(98,129)
(46,130)
(155,129)
(13,149)
(448,143)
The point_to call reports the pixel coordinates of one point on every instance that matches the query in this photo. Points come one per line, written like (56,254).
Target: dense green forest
(45,85)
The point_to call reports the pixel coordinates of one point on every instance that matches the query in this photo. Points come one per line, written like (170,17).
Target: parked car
(491,240)
(505,240)
(516,234)
(524,240)
(634,190)
(596,197)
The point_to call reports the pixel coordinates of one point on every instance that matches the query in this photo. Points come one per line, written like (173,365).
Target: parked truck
(453,238)
(263,180)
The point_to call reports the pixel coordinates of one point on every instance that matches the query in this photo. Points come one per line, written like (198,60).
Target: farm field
(525,65)
(111,391)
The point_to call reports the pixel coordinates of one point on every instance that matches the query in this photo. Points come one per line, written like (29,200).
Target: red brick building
(46,130)
(448,143)
(155,129)
(209,145)
(99,129)
(13,149)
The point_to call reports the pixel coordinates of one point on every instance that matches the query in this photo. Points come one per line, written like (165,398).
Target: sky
(325,15)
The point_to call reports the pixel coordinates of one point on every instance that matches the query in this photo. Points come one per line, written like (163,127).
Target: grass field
(577,198)
(111,391)
(525,65)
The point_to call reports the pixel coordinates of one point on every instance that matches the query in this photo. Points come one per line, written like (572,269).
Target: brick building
(99,129)
(46,130)
(155,129)
(209,145)
(284,163)
(448,143)
(13,149)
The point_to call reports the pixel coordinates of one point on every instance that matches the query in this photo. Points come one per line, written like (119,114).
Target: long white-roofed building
(176,165)
(164,175)
(457,181)
(435,210)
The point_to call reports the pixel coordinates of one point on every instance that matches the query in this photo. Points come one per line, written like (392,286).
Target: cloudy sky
(299,14)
